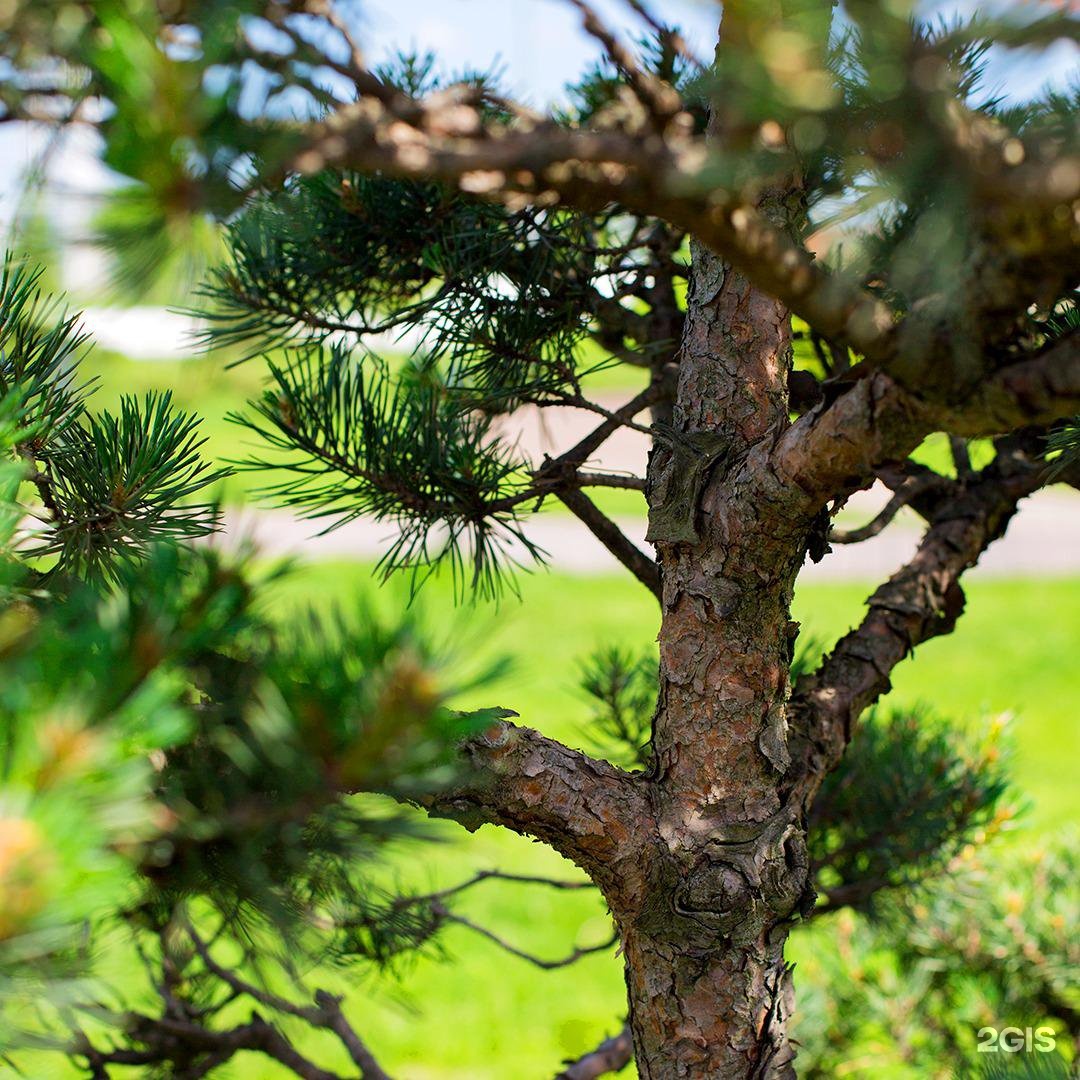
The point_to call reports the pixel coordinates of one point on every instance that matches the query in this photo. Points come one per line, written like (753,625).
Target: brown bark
(610,1056)
(703,860)
(922,600)
(708,987)
(585,809)
(655,167)
(836,449)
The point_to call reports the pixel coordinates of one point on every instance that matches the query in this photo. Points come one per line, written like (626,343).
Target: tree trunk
(704,927)
(709,1008)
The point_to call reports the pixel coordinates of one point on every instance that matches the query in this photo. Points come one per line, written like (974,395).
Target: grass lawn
(485,1014)
(207,387)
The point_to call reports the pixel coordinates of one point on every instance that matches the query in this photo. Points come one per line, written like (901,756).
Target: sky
(539,43)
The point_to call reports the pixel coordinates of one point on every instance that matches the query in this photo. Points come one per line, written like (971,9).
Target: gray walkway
(1043,541)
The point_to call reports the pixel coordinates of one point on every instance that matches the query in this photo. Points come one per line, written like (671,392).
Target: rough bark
(610,1056)
(703,940)
(703,860)
(922,600)
(659,172)
(837,448)
(586,809)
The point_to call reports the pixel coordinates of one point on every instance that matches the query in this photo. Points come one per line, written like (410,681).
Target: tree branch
(611,1056)
(660,100)
(920,601)
(537,961)
(611,480)
(544,162)
(837,448)
(912,489)
(492,875)
(588,810)
(168,1038)
(612,537)
(326,1013)
(1037,390)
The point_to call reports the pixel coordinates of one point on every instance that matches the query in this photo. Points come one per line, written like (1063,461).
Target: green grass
(1014,651)
(484,1014)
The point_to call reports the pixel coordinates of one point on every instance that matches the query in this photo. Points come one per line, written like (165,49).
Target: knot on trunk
(735,884)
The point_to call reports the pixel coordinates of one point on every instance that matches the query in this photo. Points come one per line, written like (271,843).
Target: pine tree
(660,221)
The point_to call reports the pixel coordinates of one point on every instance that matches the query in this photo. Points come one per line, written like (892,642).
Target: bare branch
(583,450)
(165,1035)
(579,401)
(958,448)
(325,1013)
(613,538)
(905,494)
(587,809)
(920,601)
(355,69)
(1034,391)
(666,33)
(838,448)
(537,961)
(611,480)
(660,100)
(492,875)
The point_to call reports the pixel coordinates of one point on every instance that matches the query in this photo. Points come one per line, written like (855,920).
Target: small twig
(961,458)
(611,480)
(558,474)
(355,69)
(491,875)
(620,417)
(537,961)
(370,1069)
(660,100)
(910,490)
(325,1013)
(666,33)
(46,490)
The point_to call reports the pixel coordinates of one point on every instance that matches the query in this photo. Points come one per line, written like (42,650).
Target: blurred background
(1011,661)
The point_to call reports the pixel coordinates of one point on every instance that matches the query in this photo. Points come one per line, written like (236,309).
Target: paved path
(1042,541)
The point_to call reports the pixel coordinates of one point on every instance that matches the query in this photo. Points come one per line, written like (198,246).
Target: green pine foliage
(170,758)
(908,988)
(499,308)
(622,687)
(355,439)
(912,792)
(106,487)
(180,769)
